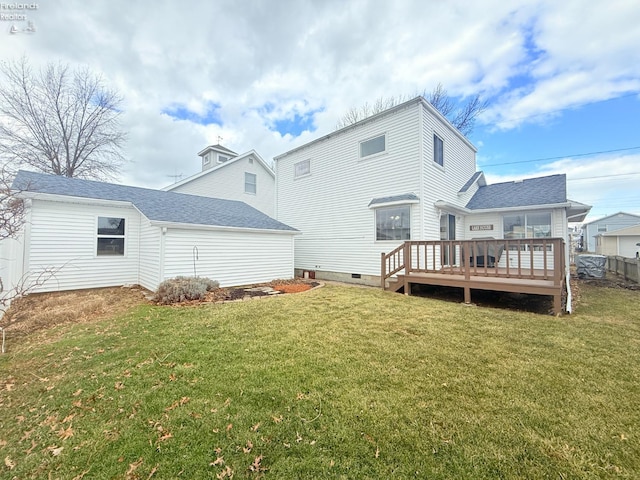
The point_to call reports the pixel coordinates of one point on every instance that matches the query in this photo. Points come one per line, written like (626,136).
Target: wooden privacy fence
(629,268)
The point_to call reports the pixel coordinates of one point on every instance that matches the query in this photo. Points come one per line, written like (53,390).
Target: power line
(603,176)
(586,154)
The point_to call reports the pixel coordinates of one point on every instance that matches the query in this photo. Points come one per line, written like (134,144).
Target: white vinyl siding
(150,265)
(63,238)
(443,182)
(331,206)
(231,258)
(228,182)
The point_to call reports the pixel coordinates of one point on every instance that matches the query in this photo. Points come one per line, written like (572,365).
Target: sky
(562,78)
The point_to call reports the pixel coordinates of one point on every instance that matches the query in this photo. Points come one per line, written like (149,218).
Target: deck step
(396,283)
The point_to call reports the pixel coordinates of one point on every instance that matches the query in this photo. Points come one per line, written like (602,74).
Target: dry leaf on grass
(65,433)
(10,464)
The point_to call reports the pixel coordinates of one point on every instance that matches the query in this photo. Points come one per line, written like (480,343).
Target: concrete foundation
(371,280)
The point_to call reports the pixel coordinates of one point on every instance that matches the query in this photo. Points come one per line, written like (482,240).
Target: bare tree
(463,118)
(59,121)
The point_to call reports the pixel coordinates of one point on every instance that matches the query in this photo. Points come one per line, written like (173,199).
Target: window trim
(226,158)
(435,161)
(375,154)
(380,208)
(255,183)
(302,175)
(207,159)
(112,236)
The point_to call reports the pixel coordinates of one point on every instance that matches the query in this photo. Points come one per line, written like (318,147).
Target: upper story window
(302,168)
(393,223)
(527,225)
(602,228)
(438,150)
(110,236)
(373,146)
(206,160)
(250,182)
(222,158)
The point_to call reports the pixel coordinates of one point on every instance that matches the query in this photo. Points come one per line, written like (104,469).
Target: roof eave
(197,226)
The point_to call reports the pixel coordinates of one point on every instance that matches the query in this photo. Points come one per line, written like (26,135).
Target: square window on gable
(438,150)
(373,145)
(302,168)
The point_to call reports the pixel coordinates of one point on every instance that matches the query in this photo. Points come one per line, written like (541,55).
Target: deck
(533,266)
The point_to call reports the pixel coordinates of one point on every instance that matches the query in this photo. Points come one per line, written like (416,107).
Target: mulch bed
(294,285)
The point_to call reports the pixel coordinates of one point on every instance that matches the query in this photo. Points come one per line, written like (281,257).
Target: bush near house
(180,289)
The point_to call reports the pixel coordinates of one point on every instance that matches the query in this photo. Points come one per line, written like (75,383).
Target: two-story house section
(366,188)
(406,175)
(227,175)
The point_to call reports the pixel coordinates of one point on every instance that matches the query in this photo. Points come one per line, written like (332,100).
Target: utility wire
(603,176)
(586,154)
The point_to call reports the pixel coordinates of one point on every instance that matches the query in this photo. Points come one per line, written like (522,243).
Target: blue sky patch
(181,112)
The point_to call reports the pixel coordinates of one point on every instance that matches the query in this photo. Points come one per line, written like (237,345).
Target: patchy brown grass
(43,310)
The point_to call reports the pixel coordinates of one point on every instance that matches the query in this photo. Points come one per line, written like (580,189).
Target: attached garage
(96,234)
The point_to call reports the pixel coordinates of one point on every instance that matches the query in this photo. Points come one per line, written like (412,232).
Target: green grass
(339,382)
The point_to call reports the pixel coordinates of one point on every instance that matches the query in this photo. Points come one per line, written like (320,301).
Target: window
(206,160)
(250,181)
(393,223)
(222,158)
(110,236)
(527,225)
(302,168)
(372,146)
(602,228)
(438,150)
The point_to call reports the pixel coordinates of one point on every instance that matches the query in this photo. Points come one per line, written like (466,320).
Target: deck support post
(467,295)
(557,304)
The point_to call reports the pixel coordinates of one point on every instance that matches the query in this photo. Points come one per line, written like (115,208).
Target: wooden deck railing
(526,258)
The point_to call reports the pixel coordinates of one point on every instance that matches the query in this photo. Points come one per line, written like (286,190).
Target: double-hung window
(438,150)
(250,183)
(111,235)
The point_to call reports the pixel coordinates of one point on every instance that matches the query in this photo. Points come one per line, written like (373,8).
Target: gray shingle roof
(470,182)
(533,191)
(395,198)
(156,205)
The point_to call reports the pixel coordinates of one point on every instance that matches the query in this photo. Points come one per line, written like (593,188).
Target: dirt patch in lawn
(43,310)
(38,311)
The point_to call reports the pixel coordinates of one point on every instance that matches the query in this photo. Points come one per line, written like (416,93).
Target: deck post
(467,295)
(383,271)
(406,257)
(557,304)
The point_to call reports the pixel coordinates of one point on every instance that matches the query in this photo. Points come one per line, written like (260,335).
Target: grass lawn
(339,382)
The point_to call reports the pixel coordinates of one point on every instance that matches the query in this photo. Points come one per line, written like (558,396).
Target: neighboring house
(97,234)
(623,242)
(225,174)
(607,224)
(403,174)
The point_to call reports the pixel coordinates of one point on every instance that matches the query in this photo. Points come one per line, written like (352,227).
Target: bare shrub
(181,289)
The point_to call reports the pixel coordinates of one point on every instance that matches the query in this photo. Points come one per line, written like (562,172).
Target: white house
(225,174)
(96,234)
(622,242)
(403,174)
(610,223)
